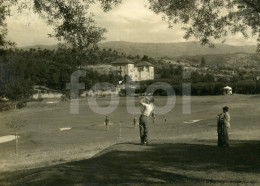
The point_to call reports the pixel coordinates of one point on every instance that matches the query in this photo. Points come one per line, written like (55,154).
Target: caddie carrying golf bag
(220,129)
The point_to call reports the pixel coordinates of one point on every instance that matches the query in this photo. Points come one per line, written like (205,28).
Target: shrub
(21,104)
(6,105)
(64,98)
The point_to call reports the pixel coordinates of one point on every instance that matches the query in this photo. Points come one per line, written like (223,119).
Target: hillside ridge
(178,49)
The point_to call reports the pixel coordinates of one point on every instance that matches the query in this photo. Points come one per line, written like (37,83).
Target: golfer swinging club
(147,109)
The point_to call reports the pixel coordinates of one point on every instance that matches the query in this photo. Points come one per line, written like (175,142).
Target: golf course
(59,148)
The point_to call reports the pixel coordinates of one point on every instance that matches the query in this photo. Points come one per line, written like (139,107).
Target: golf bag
(220,129)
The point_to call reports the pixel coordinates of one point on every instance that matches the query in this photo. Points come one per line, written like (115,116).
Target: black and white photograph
(129,92)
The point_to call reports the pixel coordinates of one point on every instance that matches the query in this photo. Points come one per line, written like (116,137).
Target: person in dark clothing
(223,127)
(220,125)
(226,126)
(154,118)
(106,121)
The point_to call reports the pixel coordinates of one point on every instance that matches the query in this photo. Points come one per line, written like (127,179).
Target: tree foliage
(74,24)
(203,62)
(20,70)
(4,11)
(71,20)
(205,20)
(16,124)
(211,19)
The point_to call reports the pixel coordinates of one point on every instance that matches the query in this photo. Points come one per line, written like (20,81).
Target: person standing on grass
(106,121)
(153,116)
(226,126)
(220,125)
(147,108)
(135,121)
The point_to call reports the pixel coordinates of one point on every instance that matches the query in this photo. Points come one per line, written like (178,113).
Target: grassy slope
(196,163)
(182,153)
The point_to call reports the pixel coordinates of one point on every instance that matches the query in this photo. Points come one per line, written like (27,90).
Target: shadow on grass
(131,163)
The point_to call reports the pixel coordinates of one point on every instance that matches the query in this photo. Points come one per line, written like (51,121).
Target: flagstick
(120,131)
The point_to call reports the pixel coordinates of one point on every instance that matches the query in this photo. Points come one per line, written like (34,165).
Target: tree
(211,19)
(145,58)
(13,84)
(209,78)
(204,19)
(202,62)
(70,19)
(195,77)
(4,11)
(16,124)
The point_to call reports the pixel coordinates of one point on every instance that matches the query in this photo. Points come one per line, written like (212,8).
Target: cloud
(132,21)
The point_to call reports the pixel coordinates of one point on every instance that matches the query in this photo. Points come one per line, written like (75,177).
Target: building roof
(144,64)
(122,61)
(39,87)
(228,88)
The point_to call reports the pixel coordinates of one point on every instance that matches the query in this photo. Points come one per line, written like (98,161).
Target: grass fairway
(180,151)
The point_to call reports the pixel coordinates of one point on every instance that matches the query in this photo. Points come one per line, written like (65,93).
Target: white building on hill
(45,93)
(227,90)
(140,72)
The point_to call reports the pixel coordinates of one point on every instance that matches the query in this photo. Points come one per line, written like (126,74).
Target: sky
(130,21)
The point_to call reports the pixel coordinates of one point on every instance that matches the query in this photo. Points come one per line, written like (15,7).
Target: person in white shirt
(147,108)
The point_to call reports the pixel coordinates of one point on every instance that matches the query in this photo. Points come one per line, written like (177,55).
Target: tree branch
(256,6)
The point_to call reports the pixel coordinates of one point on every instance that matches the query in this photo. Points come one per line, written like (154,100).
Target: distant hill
(174,49)
(165,49)
(231,60)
